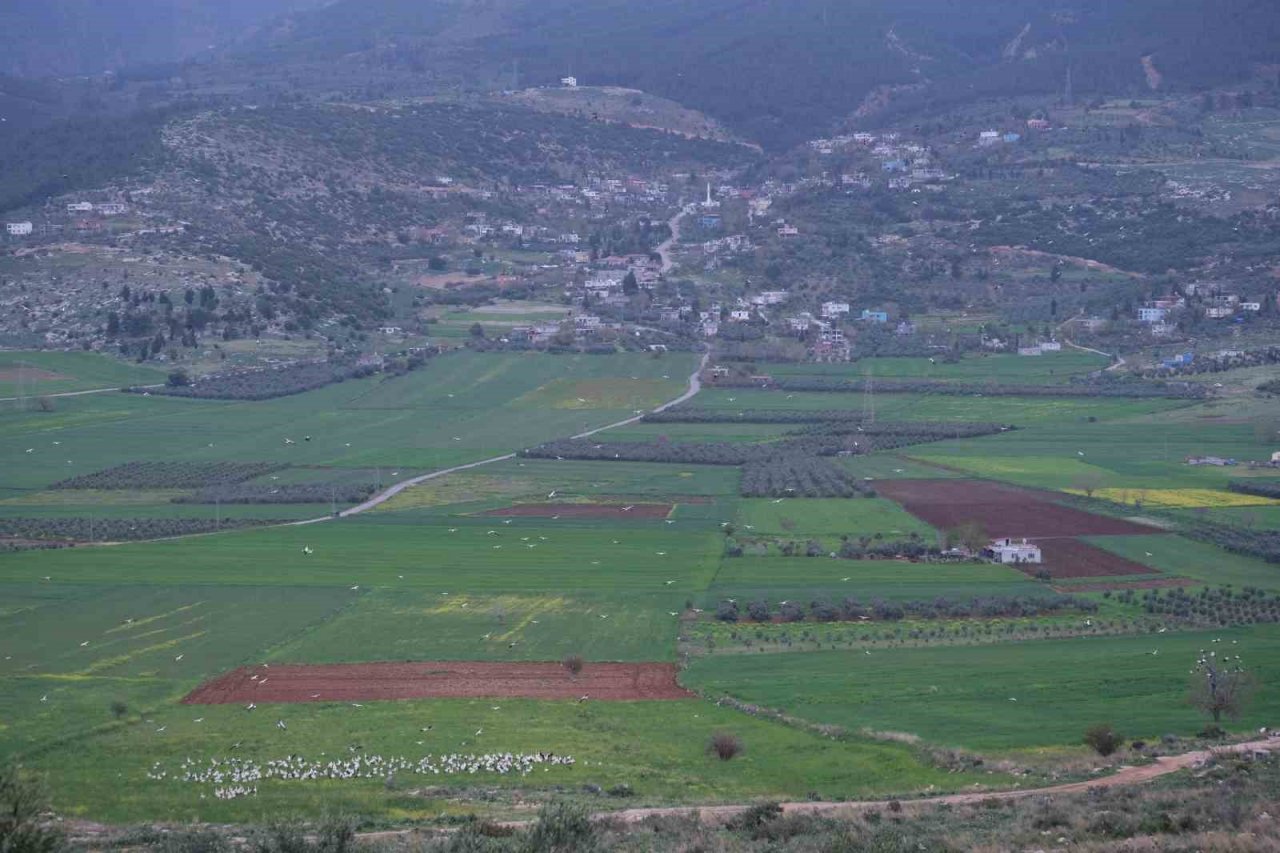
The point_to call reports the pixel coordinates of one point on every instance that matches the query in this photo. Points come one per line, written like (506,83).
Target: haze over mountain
(74,37)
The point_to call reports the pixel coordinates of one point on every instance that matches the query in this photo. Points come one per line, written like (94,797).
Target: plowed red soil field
(583,511)
(367,682)
(1071,558)
(1002,510)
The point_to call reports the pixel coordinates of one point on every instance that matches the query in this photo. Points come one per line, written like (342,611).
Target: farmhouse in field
(1014,551)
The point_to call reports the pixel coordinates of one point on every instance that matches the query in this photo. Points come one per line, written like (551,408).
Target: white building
(569,82)
(989,137)
(80,207)
(18,229)
(586,323)
(1014,551)
(834,309)
(111,208)
(1152,314)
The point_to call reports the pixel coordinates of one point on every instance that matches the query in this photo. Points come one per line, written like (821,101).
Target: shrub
(23,800)
(757,816)
(1103,739)
(119,709)
(563,828)
(725,746)
(727,611)
(758,611)
(574,663)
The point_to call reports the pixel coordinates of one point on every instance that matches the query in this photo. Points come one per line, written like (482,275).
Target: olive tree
(1220,685)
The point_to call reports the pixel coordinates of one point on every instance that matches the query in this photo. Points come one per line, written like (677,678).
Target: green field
(1018,411)
(33,373)
(965,696)
(1199,561)
(459,408)
(428,576)
(804,578)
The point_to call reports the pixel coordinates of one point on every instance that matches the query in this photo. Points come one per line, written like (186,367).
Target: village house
(111,208)
(834,309)
(832,346)
(586,323)
(788,231)
(989,137)
(740,315)
(1152,313)
(1013,551)
(769,297)
(80,207)
(18,229)
(870,316)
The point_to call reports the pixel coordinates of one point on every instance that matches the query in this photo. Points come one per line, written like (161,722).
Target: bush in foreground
(725,746)
(1103,739)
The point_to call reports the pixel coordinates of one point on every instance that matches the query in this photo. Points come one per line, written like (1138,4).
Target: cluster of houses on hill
(80,216)
(1214,300)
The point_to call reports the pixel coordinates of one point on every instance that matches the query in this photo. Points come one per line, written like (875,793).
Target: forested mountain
(73,37)
(780,70)
(776,71)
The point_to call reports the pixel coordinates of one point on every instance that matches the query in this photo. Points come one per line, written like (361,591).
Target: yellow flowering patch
(1180,498)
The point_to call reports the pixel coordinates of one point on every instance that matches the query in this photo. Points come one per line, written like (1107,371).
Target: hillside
(780,72)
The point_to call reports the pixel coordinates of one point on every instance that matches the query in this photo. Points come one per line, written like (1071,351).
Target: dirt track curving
(369,682)
(1002,510)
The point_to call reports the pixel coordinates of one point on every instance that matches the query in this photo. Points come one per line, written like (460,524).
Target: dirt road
(1124,776)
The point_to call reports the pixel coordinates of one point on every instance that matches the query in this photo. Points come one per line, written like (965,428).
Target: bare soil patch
(1002,510)
(1071,558)
(568,510)
(357,682)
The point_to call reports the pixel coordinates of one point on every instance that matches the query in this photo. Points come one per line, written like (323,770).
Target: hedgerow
(170,475)
(269,382)
(288,493)
(1264,544)
(851,609)
(52,529)
(1258,489)
(262,383)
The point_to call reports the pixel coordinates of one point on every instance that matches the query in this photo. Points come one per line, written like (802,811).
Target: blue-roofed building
(875,316)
